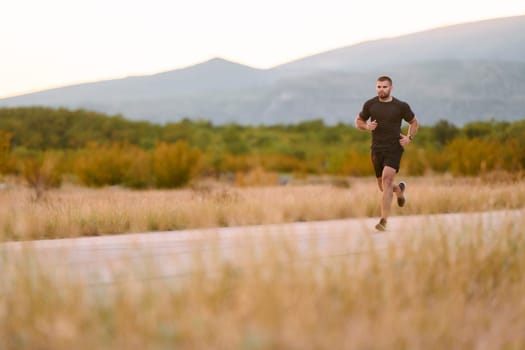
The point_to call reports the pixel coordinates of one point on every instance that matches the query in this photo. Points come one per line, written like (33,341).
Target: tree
(444,132)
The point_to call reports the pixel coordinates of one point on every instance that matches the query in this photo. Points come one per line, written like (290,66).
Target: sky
(53,43)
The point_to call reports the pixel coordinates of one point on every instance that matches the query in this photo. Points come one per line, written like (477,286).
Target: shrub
(42,172)
(174,164)
(103,165)
(5,146)
(475,156)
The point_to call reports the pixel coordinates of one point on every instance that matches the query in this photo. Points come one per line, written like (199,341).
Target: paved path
(106,260)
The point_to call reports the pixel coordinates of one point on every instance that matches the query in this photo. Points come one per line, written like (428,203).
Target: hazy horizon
(58,43)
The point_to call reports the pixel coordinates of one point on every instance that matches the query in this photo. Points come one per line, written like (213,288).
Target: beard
(383,94)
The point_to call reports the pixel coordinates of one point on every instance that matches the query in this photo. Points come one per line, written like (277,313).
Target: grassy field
(436,290)
(74,212)
(421,290)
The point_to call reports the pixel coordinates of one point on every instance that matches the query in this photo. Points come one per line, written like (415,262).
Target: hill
(464,72)
(501,39)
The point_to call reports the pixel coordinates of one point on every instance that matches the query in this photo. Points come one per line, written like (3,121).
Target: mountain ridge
(330,85)
(508,31)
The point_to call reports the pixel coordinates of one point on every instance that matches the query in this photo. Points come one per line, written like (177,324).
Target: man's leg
(392,162)
(387,187)
(380,183)
(388,191)
(397,190)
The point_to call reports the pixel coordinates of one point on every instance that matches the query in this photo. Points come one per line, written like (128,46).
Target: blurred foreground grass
(433,290)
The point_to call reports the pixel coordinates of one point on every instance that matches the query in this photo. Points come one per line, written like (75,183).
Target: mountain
(501,39)
(216,74)
(459,91)
(461,73)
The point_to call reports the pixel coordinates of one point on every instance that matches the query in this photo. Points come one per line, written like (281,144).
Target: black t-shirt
(389,116)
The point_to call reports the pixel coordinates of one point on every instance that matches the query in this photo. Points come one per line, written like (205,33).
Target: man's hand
(404,140)
(364,125)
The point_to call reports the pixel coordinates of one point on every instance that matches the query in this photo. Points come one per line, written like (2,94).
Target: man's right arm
(364,125)
(360,123)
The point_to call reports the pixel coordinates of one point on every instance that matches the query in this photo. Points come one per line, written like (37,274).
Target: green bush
(174,164)
(475,156)
(42,171)
(5,146)
(103,165)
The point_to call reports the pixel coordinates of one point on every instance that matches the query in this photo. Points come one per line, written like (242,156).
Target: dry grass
(73,212)
(440,290)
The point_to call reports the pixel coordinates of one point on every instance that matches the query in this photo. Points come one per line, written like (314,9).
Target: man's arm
(413,125)
(363,125)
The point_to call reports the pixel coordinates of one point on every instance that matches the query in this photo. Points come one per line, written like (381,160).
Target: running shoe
(401,200)
(381,225)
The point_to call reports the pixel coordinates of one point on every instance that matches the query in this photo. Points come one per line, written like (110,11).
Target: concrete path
(107,260)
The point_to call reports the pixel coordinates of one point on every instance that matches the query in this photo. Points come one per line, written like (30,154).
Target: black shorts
(388,157)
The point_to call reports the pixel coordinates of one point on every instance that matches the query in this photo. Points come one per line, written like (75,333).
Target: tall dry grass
(73,211)
(436,290)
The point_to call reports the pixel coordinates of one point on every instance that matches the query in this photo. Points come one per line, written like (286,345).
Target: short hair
(385,78)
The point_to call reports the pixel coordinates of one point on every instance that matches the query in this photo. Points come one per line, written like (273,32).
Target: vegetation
(440,289)
(99,150)
(78,211)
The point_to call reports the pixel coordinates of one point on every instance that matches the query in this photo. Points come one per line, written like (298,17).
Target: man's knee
(388,177)
(388,182)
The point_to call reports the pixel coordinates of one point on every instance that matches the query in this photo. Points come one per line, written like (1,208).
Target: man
(383,115)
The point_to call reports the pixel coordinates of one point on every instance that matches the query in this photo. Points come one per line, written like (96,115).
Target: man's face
(383,89)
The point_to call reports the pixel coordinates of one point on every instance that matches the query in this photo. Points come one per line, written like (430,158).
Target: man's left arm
(413,125)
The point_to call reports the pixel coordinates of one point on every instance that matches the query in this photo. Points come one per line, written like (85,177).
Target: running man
(383,115)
